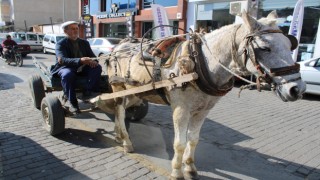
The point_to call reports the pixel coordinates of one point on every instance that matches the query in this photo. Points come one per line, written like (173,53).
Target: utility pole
(25,25)
(51,25)
(63,10)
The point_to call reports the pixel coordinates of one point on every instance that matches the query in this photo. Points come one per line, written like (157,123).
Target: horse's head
(266,53)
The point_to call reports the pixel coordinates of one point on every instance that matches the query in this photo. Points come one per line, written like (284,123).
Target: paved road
(256,136)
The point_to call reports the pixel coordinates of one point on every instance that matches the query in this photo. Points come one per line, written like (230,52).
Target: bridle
(248,52)
(264,73)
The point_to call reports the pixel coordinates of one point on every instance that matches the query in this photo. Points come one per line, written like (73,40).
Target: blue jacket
(64,51)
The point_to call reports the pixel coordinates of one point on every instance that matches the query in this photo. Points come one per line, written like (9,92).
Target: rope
(224,67)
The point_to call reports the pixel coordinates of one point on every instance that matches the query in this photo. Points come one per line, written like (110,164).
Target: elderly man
(73,58)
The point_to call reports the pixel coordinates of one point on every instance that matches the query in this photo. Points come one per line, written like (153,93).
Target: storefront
(213,14)
(122,18)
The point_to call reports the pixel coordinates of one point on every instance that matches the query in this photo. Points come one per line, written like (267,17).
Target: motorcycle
(13,55)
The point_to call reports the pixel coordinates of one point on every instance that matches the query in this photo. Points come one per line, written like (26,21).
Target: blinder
(293,40)
(265,72)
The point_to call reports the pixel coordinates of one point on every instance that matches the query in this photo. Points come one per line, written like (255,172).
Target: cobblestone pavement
(256,136)
(28,152)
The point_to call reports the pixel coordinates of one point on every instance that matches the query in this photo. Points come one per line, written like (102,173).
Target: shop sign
(115,12)
(88,26)
(115,15)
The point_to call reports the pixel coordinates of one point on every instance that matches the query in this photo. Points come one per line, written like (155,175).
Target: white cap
(65,24)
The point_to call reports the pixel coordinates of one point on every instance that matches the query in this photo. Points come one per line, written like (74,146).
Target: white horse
(254,47)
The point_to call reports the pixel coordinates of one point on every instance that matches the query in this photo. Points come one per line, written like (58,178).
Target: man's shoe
(74,109)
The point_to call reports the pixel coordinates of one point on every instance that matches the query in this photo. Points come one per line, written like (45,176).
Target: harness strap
(204,82)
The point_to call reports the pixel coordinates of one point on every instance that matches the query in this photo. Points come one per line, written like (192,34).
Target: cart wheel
(19,61)
(37,90)
(136,113)
(53,115)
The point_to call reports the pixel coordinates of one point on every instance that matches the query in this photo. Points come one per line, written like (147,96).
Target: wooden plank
(148,87)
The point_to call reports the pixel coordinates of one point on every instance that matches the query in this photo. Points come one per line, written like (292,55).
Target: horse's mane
(217,32)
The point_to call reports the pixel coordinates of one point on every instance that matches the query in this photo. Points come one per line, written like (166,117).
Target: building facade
(212,14)
(122,18)
(28,13)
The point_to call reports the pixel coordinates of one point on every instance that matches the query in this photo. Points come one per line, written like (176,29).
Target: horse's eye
(265,48)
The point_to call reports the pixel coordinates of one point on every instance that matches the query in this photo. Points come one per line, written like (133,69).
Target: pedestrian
(74,58)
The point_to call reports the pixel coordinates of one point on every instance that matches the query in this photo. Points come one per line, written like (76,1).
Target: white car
(103,45)
(310,74)
(49,42)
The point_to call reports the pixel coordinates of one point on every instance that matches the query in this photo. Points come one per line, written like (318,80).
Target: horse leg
(180,121)
(194,128)
(120,127)
(117,130)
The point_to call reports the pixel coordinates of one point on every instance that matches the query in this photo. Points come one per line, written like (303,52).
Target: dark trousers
(69,77)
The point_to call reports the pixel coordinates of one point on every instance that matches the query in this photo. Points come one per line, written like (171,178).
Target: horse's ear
(250,23)
(273,15)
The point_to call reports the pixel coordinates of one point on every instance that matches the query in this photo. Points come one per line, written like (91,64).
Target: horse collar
(204,82)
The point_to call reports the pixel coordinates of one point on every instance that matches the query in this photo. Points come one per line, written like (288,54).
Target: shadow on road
(7,81)
(311,97)
(85,138)
(217,154)
(23,158)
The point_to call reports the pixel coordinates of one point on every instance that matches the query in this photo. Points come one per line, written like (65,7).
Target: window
(310,22)
(317,63)
(53,40)
(59,38)
(22,37)
(98,42)
(46,38)
(103,6)
(132,3)
(164,3)
(40,37)
(90,41)
(213,16)
(32,37)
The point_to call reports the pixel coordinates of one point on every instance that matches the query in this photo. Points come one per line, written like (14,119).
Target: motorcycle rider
(8,43)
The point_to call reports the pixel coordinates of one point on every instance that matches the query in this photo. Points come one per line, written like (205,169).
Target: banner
(296,25)
(160,18)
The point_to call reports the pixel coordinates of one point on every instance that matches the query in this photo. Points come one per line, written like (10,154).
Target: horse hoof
(191,175)
(128,149)
(176,175)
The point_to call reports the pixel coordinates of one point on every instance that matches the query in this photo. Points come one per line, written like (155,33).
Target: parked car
(30,38)
(23,48)
(49,42)
(310,74)
(103,45)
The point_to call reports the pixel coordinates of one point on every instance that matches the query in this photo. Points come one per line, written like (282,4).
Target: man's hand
(88,61)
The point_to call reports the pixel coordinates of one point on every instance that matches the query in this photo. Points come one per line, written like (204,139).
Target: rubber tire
(37,90)
(54,115)
(19,62)
(136,113)
(45,50)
